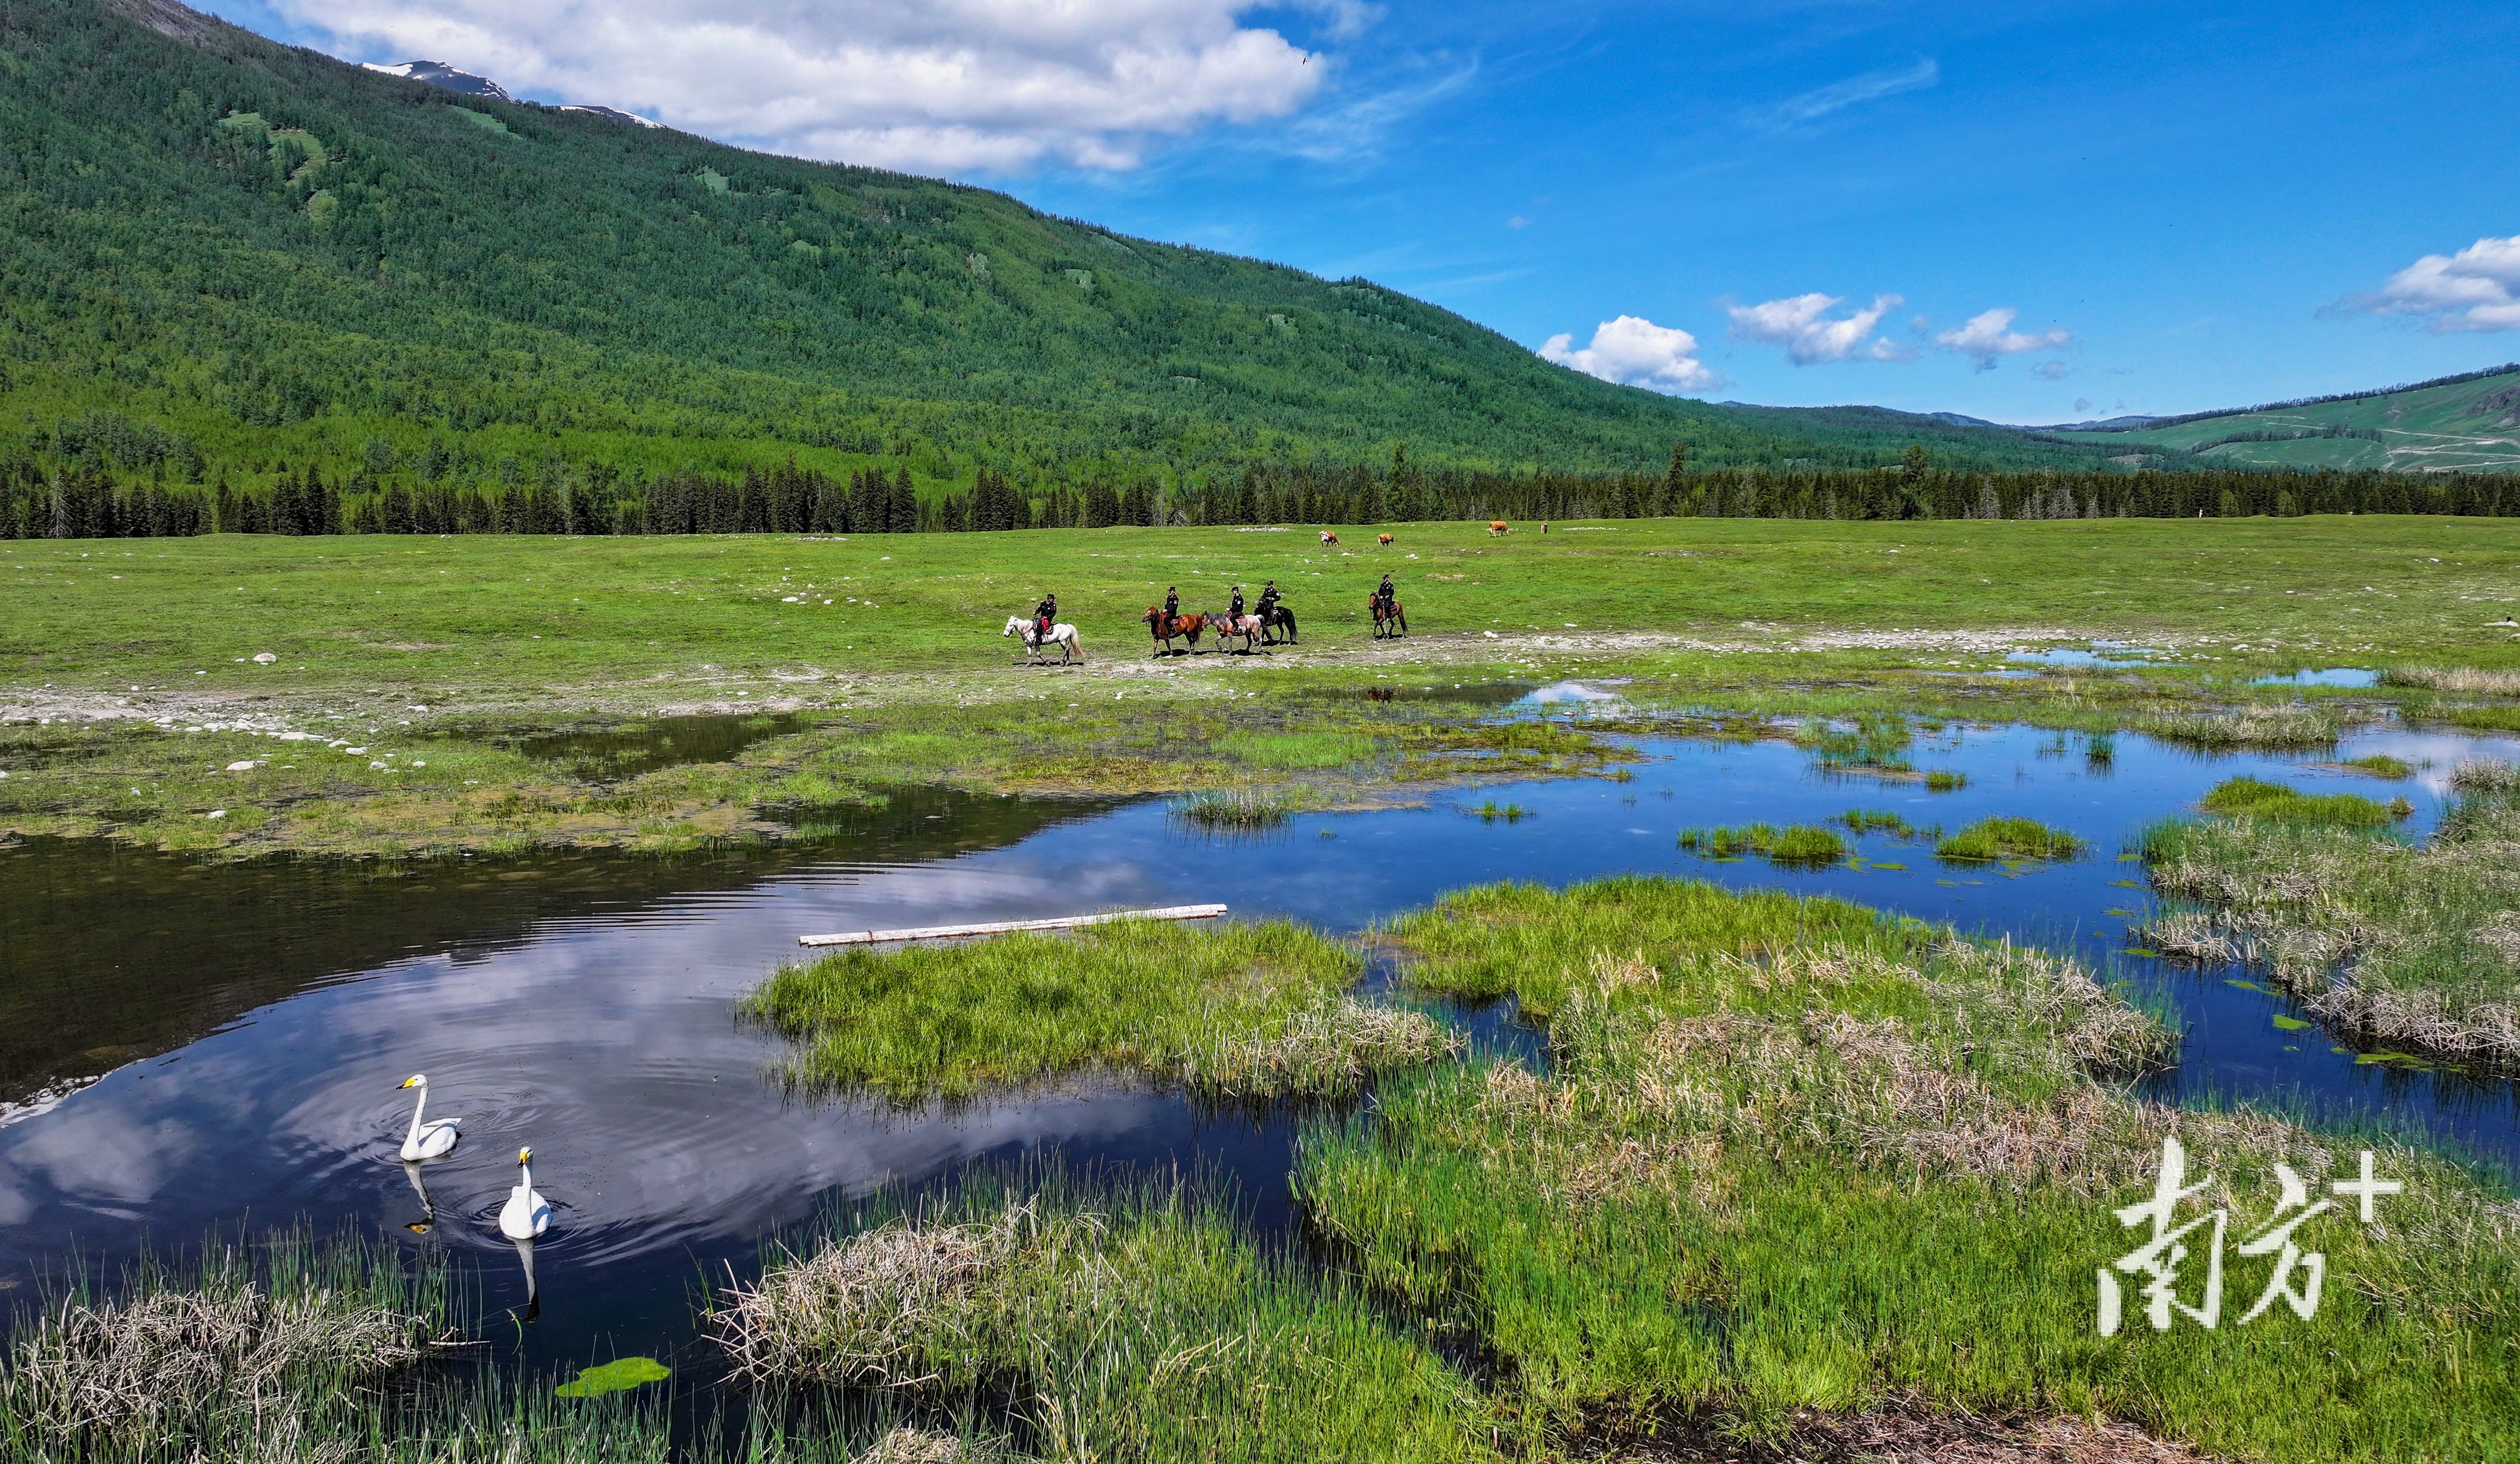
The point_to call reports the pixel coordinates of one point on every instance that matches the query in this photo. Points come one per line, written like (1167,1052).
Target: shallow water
(252,1023)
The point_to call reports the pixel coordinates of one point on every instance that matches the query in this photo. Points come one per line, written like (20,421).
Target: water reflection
(589,1004)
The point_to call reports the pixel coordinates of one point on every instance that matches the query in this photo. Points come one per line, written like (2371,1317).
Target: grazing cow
(1383,538)
(1499,525)
(1329,537)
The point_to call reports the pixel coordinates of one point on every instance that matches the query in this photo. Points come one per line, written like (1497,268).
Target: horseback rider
(1044,614)
(1268,599)
(1385,595)
(1236,611)
(1172,605)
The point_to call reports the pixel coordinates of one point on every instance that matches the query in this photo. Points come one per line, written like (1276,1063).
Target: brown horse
(1387,623)
(1191,626)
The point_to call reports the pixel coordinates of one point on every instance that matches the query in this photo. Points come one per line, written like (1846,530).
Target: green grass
(1801,845)
(1945,780)
(1110,1320)
(497,636)
(2409,946)
(1993,839)
(1787,1157)
(2379,765)
(1238,1010)
(2255,797)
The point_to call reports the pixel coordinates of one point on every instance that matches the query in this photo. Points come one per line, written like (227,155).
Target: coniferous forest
(245,288)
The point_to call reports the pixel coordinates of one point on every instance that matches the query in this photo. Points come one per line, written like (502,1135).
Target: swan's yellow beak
(524,1156)
(408,1082)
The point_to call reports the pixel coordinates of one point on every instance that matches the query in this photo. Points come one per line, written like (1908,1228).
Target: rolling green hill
(217,252)
(2458,423)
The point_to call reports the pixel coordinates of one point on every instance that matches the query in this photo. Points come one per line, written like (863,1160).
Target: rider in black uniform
(1387,595)
(1172,605)
(1045,613)
(1268,599)
(1236,611)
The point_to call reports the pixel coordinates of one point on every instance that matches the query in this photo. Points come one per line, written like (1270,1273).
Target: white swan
(427,1140)
(526,1215)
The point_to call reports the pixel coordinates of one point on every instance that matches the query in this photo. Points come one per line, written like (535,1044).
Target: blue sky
(2183,206)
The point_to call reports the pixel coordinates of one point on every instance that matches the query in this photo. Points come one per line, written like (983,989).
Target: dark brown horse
(1387,622)
(1191,626)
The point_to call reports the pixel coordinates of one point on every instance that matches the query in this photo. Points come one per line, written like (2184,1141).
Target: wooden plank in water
(1002,927)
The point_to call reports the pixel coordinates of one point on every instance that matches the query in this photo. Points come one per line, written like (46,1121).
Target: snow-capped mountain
(440,73)
(611,113)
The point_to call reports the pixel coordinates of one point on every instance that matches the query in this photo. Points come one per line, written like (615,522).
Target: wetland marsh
(1376,1129)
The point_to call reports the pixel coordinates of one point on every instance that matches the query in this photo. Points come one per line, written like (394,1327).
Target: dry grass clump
(863,1312)
(2468,680)
(2292,725)
(908,1446)
(1327,1049)
(2485,775)
(271,1346)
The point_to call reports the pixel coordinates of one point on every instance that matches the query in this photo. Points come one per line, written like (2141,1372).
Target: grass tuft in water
(1797,845)
(2255,797)
(1239,1008)
(2293,725)
(1945,780)
(2458,679)
(1990,840)
(2379,765)
(1237,810)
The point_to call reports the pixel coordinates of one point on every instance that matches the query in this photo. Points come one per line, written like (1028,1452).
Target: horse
(1229,627)
(1329,537)
(1277,618)
(1384,623)
(1497,526)
(1383,538)
(1191,626)
(1062,633)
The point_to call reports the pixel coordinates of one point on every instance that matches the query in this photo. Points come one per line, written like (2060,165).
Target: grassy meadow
(408,677)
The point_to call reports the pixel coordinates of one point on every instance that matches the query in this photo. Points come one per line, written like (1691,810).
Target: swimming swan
(526,1215)
(427,1140)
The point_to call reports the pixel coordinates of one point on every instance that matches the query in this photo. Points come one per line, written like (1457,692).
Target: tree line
(85,502)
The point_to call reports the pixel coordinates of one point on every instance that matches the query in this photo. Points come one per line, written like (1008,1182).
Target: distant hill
(2458,423)
(217,252)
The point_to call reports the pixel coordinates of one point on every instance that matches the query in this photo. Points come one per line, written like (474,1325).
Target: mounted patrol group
(1267,622)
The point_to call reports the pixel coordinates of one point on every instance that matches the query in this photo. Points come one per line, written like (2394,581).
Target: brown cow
(1383,538)
(1329,537)
(1499,525)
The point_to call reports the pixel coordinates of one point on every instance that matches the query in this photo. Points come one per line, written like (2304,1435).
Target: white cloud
(2051,371)
(1854,91)
(1989,333)
(1801,324)
(1636,353)
(2477,289)
(925,85)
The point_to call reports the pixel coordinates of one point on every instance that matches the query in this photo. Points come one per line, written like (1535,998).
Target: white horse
(1245,627)
(1062,633)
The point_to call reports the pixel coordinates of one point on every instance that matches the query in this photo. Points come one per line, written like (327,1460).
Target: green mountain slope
(217,252)
(2459,424)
